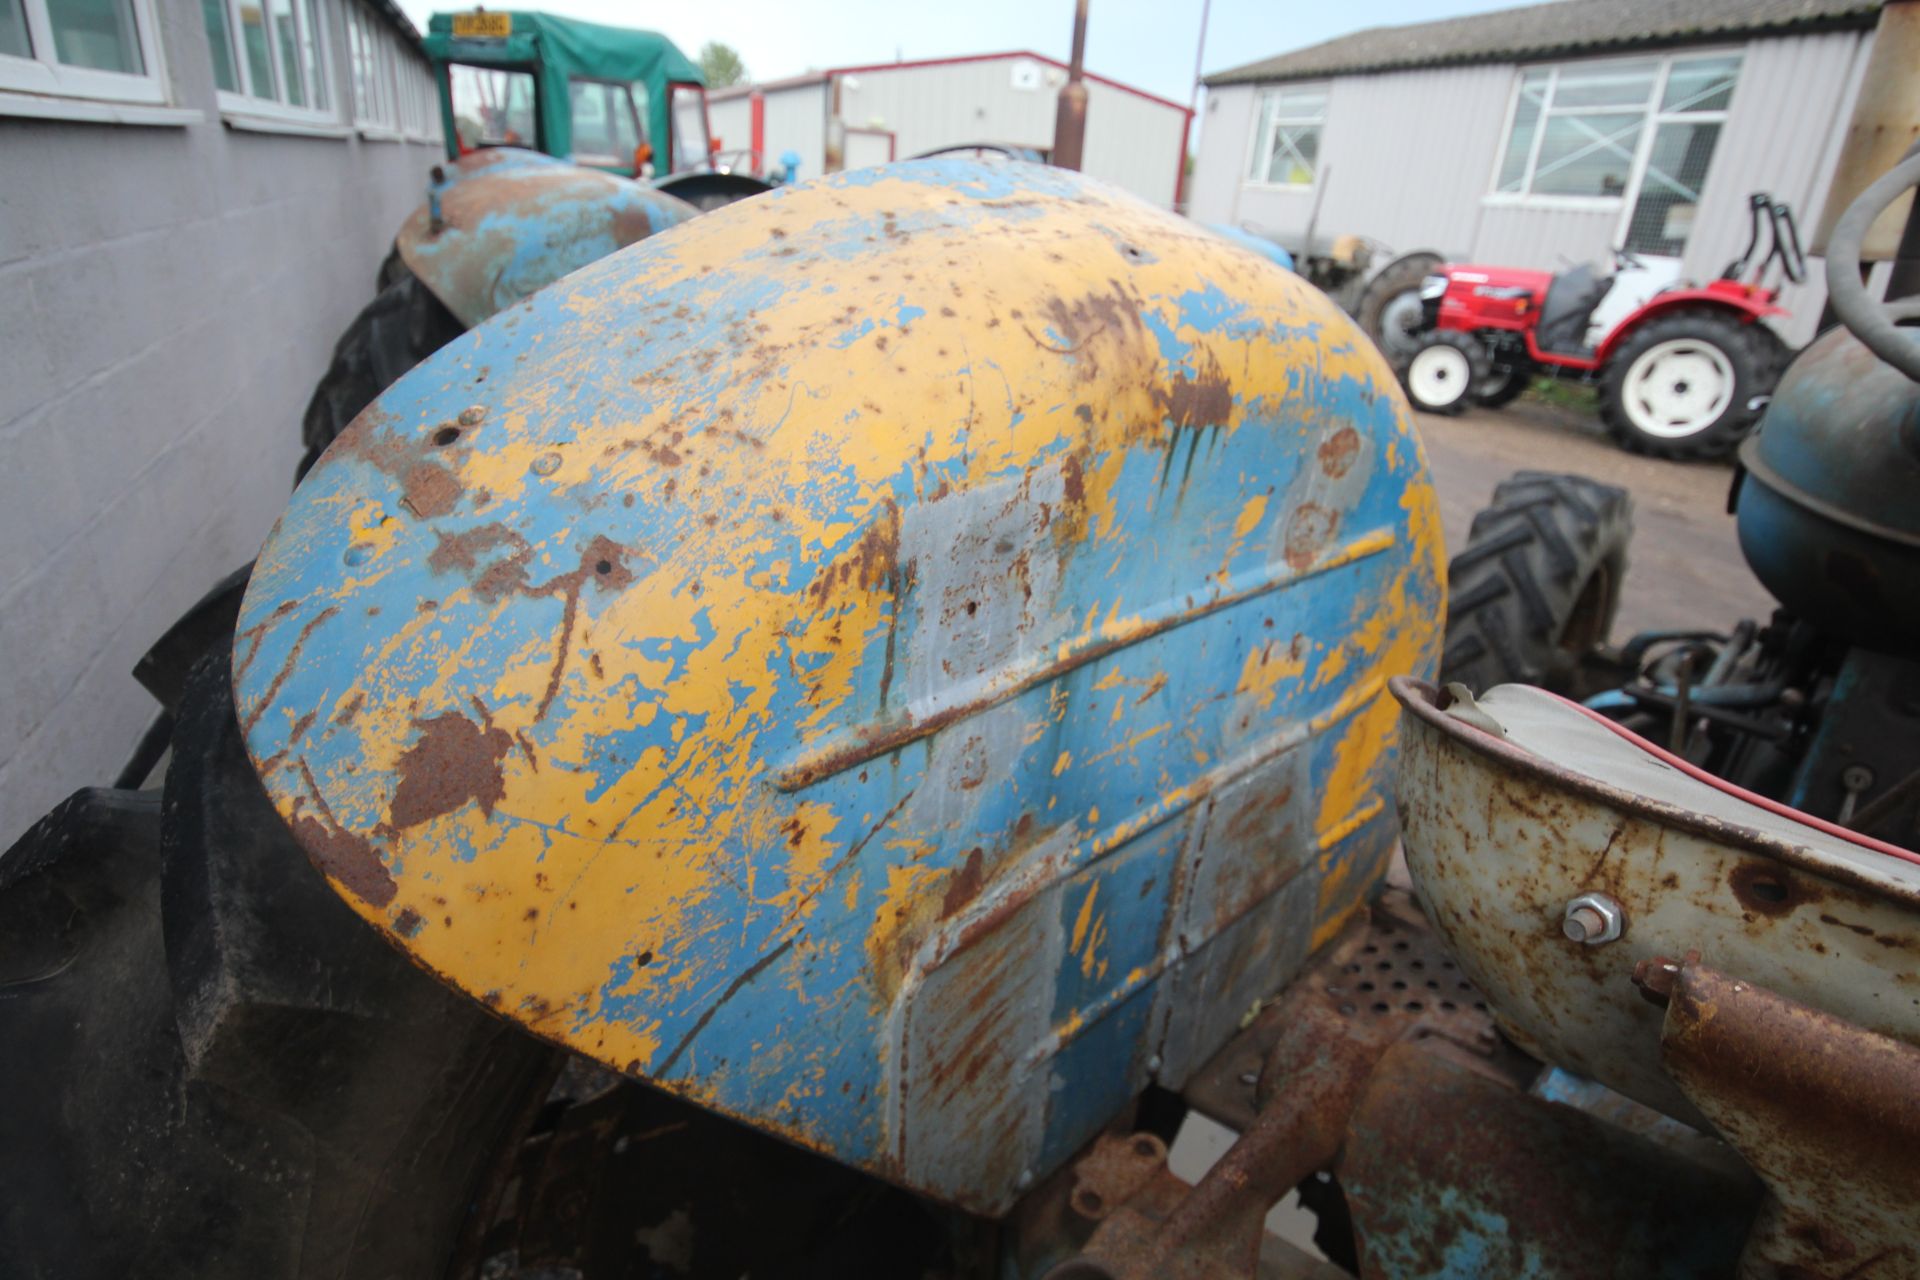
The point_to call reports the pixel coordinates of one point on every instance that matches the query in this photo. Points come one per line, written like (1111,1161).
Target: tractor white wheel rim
(1439,375)
(1677,388)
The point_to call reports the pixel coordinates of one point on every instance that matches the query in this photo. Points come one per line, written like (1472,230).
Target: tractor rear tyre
(1389,306)
(1443,371)
(397,330)
(392,267)
(212,1067)
(1538,583)
(1681,386)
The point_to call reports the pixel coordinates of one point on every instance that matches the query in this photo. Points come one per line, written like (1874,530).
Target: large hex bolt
(1593,918)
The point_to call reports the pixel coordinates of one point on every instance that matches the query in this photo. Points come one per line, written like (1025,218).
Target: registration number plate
(480,23)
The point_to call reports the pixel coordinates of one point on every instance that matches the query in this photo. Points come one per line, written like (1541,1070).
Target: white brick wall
(168,297)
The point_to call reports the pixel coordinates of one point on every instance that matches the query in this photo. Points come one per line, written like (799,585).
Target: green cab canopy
(559,50)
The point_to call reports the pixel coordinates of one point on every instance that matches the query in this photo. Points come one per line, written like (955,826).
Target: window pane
(13,30)
(1295,149)
(96,33)
(1670,192)
(1703,84)
(1615,84)
(1301,104)
(253,33)
(1526,119)
(365,106)
(603,132)
(1586,155)
(213,15)
(287,41)
(1262,117)
(492,107)
(689,128)
(310,36)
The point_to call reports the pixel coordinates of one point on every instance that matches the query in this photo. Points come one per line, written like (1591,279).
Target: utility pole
(1070,124)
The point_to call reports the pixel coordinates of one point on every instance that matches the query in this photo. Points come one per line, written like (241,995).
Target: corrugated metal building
(194,197)
(1545,136)
(847,117)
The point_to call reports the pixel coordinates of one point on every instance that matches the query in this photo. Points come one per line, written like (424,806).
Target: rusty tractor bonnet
(900,661)
(501,223)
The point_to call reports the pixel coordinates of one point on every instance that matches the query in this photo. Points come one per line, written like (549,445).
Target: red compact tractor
(1682,374)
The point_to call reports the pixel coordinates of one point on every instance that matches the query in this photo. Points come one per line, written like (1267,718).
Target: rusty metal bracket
(1384,982)
(1827,1113)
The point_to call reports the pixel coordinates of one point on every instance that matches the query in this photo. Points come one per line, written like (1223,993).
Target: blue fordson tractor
(566,140)
(815,744)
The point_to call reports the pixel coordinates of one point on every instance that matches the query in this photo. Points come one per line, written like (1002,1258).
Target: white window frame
(44,74)
(1652,116)
(246,104)
(1260,141)
(399,99)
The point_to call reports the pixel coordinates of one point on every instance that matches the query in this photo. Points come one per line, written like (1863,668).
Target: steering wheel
(979,149)
(1870,322)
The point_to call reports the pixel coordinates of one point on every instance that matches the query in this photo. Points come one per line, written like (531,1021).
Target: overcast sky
(1146,43)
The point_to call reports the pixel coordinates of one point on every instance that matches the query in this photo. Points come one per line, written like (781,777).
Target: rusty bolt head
(473,416)
(1593,919)
(546,464)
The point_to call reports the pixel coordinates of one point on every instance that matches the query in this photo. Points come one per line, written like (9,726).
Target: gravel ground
(1685,567)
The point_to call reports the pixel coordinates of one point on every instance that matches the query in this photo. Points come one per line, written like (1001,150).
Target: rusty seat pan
(1502,832)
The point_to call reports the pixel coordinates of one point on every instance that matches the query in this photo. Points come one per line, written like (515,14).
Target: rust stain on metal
(1769,890)
(1202,400)
(1114,1171)
(1826,1112)
(430,490)
(347,858)
(873,562)
(1310,527)
(604,561)
(342,855)
(286,668)
(453,763)
(461,552)
(1337,452)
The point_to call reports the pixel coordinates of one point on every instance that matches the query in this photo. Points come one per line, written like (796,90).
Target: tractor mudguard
(899,661)
(1744,304)
(513,221)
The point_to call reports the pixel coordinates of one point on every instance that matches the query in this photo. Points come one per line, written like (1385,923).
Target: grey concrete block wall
(168,297)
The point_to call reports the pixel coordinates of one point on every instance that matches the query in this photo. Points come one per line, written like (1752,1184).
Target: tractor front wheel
(1445,368)
(1681,386)
(1504,383)
(1538,583)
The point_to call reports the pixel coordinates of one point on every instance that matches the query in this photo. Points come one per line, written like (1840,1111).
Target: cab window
(608,123)
(689,126)
(492,106)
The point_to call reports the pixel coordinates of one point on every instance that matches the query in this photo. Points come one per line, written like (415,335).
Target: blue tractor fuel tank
(1829,506)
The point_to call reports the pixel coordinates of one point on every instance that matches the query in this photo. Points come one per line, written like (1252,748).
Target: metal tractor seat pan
(1528,809)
